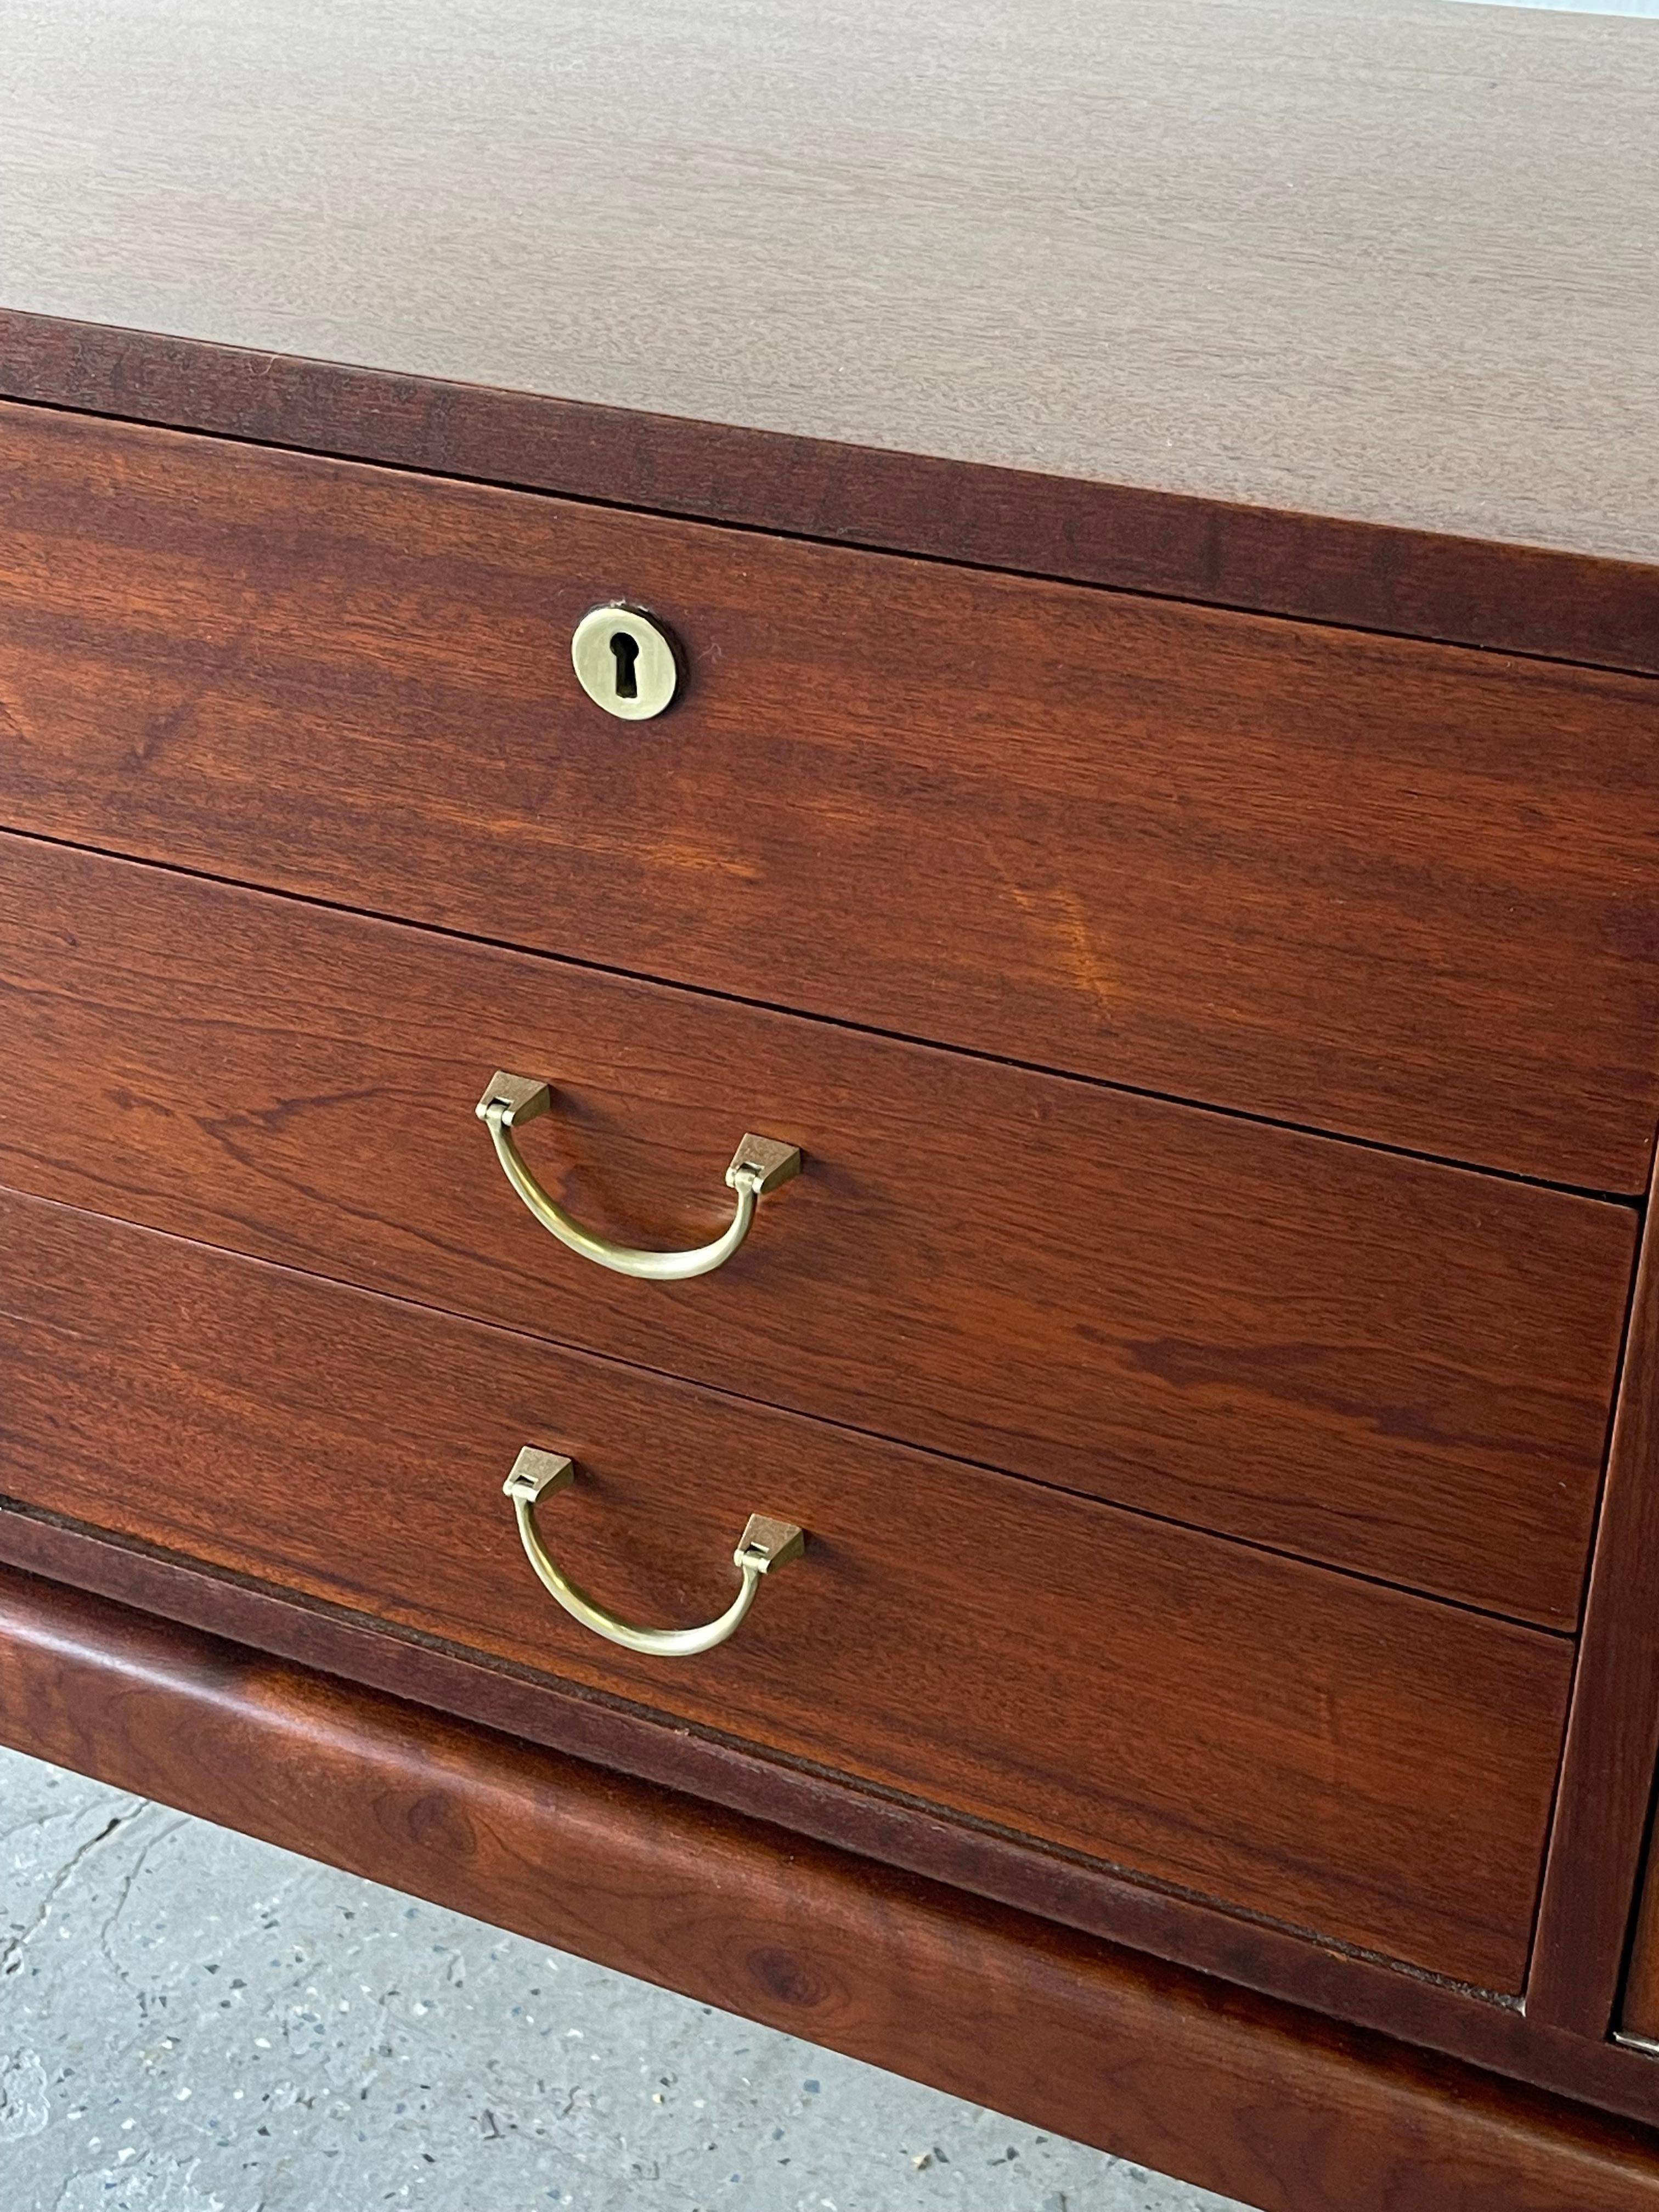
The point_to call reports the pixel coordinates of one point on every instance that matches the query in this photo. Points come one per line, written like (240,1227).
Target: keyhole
(627,650)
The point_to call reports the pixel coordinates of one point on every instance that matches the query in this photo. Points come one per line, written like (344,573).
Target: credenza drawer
(1391,889)
(1374,1361)
(1293,1741)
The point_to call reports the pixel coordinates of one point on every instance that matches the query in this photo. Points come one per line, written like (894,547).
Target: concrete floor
(193,2022)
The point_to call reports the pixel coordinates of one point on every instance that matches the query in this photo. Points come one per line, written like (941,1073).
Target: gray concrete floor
(193,2022)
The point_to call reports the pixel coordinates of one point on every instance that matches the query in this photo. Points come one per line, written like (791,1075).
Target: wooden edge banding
(1613,1728)
(1234,2093)
(1462,590)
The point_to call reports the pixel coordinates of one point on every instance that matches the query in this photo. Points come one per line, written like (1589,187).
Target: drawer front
(1363,1358)
(1340,1756)
(1397,891)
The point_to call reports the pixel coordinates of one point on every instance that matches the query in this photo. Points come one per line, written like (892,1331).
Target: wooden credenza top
(1394,264)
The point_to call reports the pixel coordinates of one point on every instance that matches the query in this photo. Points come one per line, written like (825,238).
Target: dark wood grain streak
(1231,2091)
(1028,1877)
(1397,1368)
(1389,888)
(1612,1740)
(1318,568)
(1303,1745)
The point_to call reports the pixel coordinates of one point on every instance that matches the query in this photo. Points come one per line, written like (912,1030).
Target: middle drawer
(1370,1360)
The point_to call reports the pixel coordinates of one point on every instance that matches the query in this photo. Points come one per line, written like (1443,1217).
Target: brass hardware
(522,1095)
(626,662)
(765,1544)
(759,1166)
(771,1164)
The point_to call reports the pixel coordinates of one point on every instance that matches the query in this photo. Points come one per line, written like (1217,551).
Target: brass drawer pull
(760,1165)
(765,1544)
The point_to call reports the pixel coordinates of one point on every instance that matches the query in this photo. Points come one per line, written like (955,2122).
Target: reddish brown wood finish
(626,1739)
(1612,1742)
(1233,2092)
(1516,597)
(1389,888)
(1401,1369)
(1301,1744)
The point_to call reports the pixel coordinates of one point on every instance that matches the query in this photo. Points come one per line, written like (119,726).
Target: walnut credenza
(1110,1560)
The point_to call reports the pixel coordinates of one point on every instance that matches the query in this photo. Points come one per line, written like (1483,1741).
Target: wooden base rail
(1235,2092)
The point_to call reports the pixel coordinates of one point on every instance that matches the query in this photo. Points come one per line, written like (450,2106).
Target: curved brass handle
(763,1544)
(759,1166)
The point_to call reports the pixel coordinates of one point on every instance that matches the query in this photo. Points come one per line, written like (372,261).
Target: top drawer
(1400,890)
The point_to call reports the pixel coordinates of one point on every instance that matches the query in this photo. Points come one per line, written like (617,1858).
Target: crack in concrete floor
(12,1950)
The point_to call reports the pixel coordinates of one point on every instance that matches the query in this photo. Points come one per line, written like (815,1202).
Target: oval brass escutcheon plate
(626,662)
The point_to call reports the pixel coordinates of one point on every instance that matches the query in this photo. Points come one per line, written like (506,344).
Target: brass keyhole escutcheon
(626,661)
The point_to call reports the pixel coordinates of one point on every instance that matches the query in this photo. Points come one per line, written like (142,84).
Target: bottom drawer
(1337,1755)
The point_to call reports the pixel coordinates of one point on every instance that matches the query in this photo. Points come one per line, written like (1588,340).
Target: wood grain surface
(1233,2092)
(1607,1779)
(1392,262)
(1386,887)
(1332,1754)
(1399,1368)
(1365,575)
